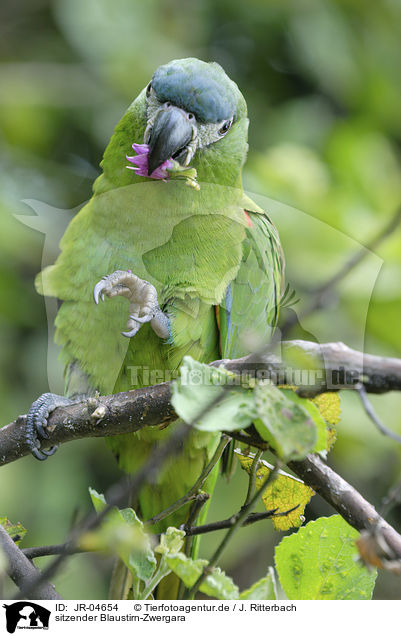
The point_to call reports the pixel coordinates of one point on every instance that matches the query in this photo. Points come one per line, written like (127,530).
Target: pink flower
(141,163)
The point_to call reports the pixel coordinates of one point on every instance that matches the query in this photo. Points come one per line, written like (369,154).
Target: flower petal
(141,149)
(141,163)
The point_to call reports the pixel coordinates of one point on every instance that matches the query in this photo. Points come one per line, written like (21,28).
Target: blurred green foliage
(321,78)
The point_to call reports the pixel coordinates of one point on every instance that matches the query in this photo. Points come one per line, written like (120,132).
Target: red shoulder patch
(248,219)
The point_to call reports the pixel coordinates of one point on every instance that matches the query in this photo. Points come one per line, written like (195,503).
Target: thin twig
(195,511)
(202,497)
(194,491)
(252,476)
(392,499)
(318,294)
(236,522)
(198,504)
(371,413)
(250,440)
(356,258)
(37,552)
(227,523)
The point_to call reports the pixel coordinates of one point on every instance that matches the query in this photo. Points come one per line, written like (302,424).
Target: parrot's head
(196,116)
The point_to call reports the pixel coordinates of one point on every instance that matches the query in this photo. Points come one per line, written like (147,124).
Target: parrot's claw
(36,423)
(130,334)
(97,292)
(110,286)
(138,321)
(144,305)
(142,319)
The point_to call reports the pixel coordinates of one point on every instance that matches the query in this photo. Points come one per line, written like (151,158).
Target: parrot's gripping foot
(142,296)
(36,423)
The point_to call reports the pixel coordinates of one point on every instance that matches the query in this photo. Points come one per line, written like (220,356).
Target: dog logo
(26,615)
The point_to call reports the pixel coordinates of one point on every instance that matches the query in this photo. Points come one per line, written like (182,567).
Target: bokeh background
(322,83)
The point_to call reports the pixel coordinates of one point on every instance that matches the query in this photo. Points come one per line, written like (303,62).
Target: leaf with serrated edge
(217,584)
(98,500)
(171,541)
(319,562)
(283,493)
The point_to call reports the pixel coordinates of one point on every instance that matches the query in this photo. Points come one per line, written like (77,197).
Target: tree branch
(348,502)
(312,367)
(22,571)
(123,413)
(131,411)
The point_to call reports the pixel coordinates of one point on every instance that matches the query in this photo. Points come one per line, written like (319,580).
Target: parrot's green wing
(249,311)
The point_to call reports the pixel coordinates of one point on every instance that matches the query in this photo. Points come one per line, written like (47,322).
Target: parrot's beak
(170,135)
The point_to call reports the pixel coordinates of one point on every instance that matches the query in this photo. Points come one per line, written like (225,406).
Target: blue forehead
(197,87)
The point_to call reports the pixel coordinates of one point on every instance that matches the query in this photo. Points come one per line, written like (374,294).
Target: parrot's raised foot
(142,296)
(36,423)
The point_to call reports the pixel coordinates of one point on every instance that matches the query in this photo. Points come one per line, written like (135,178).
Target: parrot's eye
(148,89)
(225,127)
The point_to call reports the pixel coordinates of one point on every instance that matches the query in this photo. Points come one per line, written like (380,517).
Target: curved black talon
(41,431)
(42,455)
(36,422)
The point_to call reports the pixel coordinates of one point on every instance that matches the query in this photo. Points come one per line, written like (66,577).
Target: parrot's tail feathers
(228,460)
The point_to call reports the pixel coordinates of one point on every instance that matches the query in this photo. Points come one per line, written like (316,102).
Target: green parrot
(175,235)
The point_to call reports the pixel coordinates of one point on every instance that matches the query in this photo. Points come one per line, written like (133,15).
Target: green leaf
(15,530)
(287,426)
(330,409)
(217,584)
(98,500)
(139,557)
(319,562)
(262,590)
(199,385)
(284,493)
(171,541)
(189,570)
(313,410)
(122,532)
